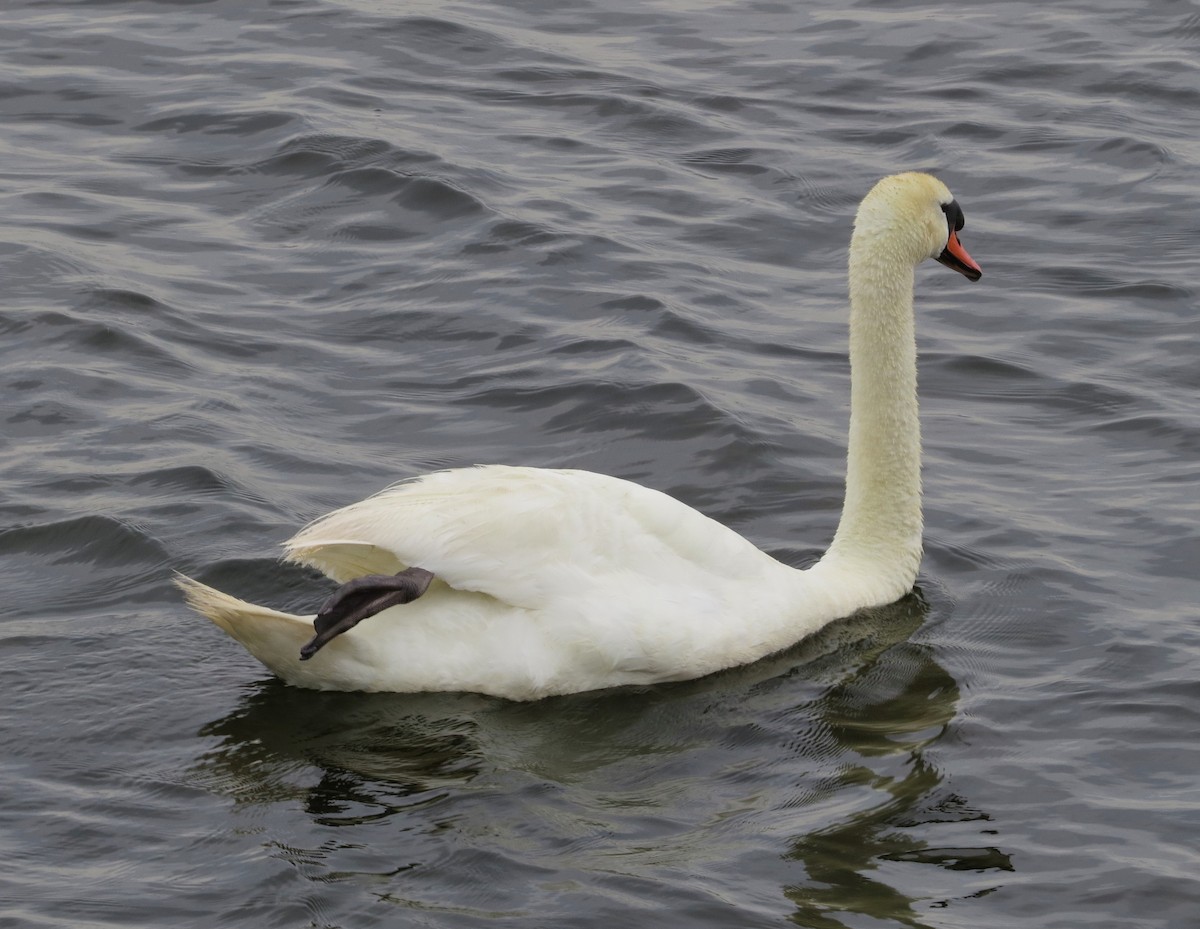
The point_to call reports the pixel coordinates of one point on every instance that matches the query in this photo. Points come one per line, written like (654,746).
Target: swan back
(523,535)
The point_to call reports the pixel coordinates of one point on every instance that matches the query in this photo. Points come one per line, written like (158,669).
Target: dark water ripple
(262,259)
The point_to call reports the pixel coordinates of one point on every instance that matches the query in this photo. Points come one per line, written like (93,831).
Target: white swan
(551,582)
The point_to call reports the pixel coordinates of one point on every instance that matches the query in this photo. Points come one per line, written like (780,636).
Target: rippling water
(261,259)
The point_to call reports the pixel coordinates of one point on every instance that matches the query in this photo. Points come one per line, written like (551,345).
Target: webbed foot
(361,598)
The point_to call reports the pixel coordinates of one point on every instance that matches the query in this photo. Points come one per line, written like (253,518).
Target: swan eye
(954,215)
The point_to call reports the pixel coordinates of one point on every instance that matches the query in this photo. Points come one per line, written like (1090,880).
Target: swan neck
(881,522)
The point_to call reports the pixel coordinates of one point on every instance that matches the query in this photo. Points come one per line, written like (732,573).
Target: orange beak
(956,257)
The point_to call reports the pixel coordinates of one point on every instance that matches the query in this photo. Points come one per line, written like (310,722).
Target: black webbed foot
(361,598)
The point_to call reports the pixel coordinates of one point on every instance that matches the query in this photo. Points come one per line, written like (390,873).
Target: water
(261,259)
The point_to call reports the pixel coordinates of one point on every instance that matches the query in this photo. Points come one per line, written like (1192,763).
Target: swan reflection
(885,716)
(812,771)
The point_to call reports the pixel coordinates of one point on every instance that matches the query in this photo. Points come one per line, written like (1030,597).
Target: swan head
(915,217)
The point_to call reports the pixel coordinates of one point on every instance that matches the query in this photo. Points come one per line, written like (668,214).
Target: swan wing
(525,536)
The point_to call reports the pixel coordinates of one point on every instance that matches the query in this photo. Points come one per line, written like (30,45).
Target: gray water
(260,259)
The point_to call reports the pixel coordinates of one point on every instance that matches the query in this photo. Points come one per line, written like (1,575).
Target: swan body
(557,581)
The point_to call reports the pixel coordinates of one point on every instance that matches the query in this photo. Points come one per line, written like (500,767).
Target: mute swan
(524,582)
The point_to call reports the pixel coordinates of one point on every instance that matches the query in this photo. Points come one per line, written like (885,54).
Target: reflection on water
(817,757)
(891,709)
(379,750)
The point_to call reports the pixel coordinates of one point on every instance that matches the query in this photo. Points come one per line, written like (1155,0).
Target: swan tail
(232,614)
(271,636)
(275,638)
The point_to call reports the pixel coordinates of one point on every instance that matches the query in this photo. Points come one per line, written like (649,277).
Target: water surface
(261,259)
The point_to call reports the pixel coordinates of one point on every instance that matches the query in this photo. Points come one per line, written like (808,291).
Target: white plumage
(554,581)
